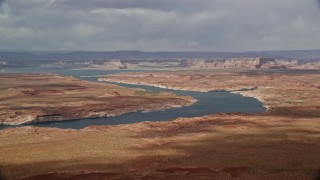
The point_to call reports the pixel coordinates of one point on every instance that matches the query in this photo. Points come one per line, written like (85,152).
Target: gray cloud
(164,5)
(1,2)
(154,25)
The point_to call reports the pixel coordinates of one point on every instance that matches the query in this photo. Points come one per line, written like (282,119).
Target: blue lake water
(208,103)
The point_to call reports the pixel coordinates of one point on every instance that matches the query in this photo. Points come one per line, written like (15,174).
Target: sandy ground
(26,98)
(283,143)
(278,90)
(217,146)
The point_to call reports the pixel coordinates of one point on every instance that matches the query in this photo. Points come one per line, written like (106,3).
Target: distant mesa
(138,60)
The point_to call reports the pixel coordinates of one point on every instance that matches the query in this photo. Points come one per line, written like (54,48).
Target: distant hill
(88,55)
(296,54)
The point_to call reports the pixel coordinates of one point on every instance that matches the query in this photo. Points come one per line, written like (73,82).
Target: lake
(208,103)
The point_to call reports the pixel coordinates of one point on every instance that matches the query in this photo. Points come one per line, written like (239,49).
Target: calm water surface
(208,103)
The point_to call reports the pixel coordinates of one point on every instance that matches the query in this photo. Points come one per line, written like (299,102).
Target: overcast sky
(160,25)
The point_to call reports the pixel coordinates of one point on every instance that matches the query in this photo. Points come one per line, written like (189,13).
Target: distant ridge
(100,55)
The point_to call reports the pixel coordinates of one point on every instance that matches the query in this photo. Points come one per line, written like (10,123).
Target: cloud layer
(160,25)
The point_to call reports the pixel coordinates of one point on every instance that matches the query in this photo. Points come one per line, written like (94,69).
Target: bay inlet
(207,102)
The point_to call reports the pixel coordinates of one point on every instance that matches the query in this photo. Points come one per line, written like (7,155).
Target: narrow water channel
(208,103)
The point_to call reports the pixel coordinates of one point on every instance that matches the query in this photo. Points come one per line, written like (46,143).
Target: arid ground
(283,143)
(26,98)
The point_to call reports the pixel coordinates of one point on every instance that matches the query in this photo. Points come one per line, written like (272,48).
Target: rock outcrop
(250,63)
(110,64)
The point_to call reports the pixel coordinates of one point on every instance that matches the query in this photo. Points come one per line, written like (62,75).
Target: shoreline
(43,119)
(152,85)
(280,144)
(67,98)
(249,93)
(148,149)
(276,90)
(243,93)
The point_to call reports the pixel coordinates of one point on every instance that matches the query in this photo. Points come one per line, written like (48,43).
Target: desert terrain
(278,90)
(282,143)
(28,98)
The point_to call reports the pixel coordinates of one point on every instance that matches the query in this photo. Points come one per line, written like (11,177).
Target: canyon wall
(215,63)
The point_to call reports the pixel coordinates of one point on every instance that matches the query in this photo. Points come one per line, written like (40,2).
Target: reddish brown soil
(281,144)
(26,98)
